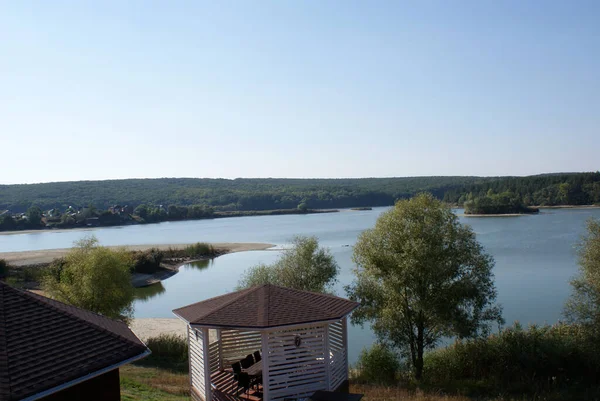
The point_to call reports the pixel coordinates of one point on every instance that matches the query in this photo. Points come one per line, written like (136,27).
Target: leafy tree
(421,276)
(302,207)
(584,305)
(95,278)
(305,266)
(34,216)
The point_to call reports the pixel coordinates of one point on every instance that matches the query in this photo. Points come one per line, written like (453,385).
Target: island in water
(506,203)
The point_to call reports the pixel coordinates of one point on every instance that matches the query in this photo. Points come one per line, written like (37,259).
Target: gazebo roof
(266,306)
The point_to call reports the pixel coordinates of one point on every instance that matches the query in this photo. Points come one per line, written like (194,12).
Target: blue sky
(112,89)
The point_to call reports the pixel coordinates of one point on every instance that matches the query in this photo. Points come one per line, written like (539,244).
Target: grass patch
(199,249)
(169,352)
(152,384)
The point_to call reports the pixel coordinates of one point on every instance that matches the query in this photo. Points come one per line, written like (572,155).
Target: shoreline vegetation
(492,204)
(59,230)
(154,263)
(139,201)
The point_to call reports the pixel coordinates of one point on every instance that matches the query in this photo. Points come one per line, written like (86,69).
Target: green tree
(584,305)
(95,278)
(304,266)
(34,216)
(421,276)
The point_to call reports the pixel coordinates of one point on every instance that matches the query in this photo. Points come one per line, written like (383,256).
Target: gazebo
(301,338)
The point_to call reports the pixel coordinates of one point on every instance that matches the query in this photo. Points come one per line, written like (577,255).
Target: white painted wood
(206,358)
(197,371)
(327,357)
(264,342)
(189,329)
(295,371)
(236,344)
(220,349)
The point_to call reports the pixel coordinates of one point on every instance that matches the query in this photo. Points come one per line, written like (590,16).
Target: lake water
(535,256)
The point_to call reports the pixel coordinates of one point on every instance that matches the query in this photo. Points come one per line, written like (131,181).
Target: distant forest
(268,194)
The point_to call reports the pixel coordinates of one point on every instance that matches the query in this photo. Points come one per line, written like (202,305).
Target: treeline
(226,195)
(504,203)
(154,214)
(539,190)
(274,193)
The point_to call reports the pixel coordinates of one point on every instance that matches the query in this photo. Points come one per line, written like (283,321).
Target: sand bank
(48,255)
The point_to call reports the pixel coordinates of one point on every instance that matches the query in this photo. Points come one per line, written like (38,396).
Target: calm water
(535,256)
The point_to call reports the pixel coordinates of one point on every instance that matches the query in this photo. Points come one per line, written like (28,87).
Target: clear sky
(118,89)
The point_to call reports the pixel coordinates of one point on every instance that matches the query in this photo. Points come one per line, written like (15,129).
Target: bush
(546,359)
(169,351)
(3,268)
(199,249)
(147,261)
(378,365)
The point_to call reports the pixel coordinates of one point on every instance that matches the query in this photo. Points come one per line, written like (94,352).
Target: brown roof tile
(45,343)
(266,306)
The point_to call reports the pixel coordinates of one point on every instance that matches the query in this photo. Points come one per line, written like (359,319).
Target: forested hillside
(266,194)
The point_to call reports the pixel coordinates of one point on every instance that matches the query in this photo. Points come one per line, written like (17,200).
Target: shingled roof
(45,344)
(266,306)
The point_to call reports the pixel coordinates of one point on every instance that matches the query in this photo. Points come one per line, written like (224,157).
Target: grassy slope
(153,384)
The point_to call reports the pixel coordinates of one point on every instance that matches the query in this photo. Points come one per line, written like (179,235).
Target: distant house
(92,222)
(52,351)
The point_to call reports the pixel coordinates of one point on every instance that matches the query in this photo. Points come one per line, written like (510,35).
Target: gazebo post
(345,341)
(327,357)
(264,343)
(205,356)
(220,349)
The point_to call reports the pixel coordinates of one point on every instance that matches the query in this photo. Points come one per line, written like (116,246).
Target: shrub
(147,261)
(378,365)
(199,249)
(169,351)
(93,277)
(540,359)
(3,268)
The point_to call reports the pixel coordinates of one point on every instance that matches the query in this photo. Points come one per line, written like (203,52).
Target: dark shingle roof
(45,343)
(266,306)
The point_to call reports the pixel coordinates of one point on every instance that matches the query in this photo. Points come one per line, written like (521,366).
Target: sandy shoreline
(145,328)
(48,255)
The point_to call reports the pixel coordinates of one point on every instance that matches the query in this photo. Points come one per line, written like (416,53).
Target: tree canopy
(305,266)
(95,278)
(277,193)
(421,276)
(584,305)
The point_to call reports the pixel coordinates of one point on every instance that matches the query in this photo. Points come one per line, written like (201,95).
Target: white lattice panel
(296,370)
(197,361)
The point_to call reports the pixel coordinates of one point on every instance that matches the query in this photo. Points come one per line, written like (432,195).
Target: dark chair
(237,369)
(247,362)
(243,380)
(257,356)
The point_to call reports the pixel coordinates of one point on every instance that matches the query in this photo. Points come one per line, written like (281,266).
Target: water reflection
(144,294)
(200,264)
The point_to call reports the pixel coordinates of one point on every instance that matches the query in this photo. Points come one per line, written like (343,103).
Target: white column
(345,341)
(207,386)
(220,349)
(264,340)
(327,358)
(189,329)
